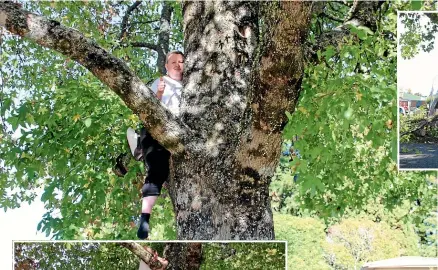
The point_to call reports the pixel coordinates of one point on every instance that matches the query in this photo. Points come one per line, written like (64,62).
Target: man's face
(175,66)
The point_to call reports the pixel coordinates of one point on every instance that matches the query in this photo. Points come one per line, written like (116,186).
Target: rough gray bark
(184,256)
(221,190)
(216,202)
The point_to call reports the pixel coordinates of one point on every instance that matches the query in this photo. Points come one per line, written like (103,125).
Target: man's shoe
(143,228)
(134,143)
(120,168)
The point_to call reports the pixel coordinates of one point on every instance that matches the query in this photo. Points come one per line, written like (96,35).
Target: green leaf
(87,122)
(416,4)
(39,225)
(5,106)
(361,34)
(14,122)
(348,113)
(330,51)
(48,191)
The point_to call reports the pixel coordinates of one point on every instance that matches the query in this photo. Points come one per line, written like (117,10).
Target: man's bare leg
(148,203)
(146,209)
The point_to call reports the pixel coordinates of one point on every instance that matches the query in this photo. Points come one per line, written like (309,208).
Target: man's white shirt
(172,93)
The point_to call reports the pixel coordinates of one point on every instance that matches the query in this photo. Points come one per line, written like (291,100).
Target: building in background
(411,102)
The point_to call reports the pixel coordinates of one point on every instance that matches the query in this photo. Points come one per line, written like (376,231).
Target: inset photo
(149,255)
(417,83)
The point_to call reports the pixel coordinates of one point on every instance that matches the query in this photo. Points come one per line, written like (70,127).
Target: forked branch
(113,72)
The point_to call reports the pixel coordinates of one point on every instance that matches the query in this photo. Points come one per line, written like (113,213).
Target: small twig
(351,11)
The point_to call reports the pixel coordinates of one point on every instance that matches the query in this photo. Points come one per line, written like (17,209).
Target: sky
(19,224)
(419,72)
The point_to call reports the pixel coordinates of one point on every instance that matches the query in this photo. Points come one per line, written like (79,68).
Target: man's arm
(158,87)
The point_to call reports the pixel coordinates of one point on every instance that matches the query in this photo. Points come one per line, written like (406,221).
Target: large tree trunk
(220,190)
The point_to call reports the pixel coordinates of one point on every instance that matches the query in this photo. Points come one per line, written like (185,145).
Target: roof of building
(408,96)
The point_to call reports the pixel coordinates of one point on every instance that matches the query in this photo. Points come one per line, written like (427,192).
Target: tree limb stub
(111,71)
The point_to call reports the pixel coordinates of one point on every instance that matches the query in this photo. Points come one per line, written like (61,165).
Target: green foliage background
(256,255)
(342,163)
(83,255)
(347,245)
(74,255)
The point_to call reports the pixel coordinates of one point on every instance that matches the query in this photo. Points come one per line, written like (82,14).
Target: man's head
(175,65)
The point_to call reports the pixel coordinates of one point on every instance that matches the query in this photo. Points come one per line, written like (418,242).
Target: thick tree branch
(146,254)
(163,36)
(145,45)
(113,72)
(124,25)
(145,22)
(162,46)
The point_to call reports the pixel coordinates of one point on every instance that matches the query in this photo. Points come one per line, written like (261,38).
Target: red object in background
(403,104)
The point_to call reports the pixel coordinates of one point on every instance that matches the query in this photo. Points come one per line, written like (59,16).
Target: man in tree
(144,147)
